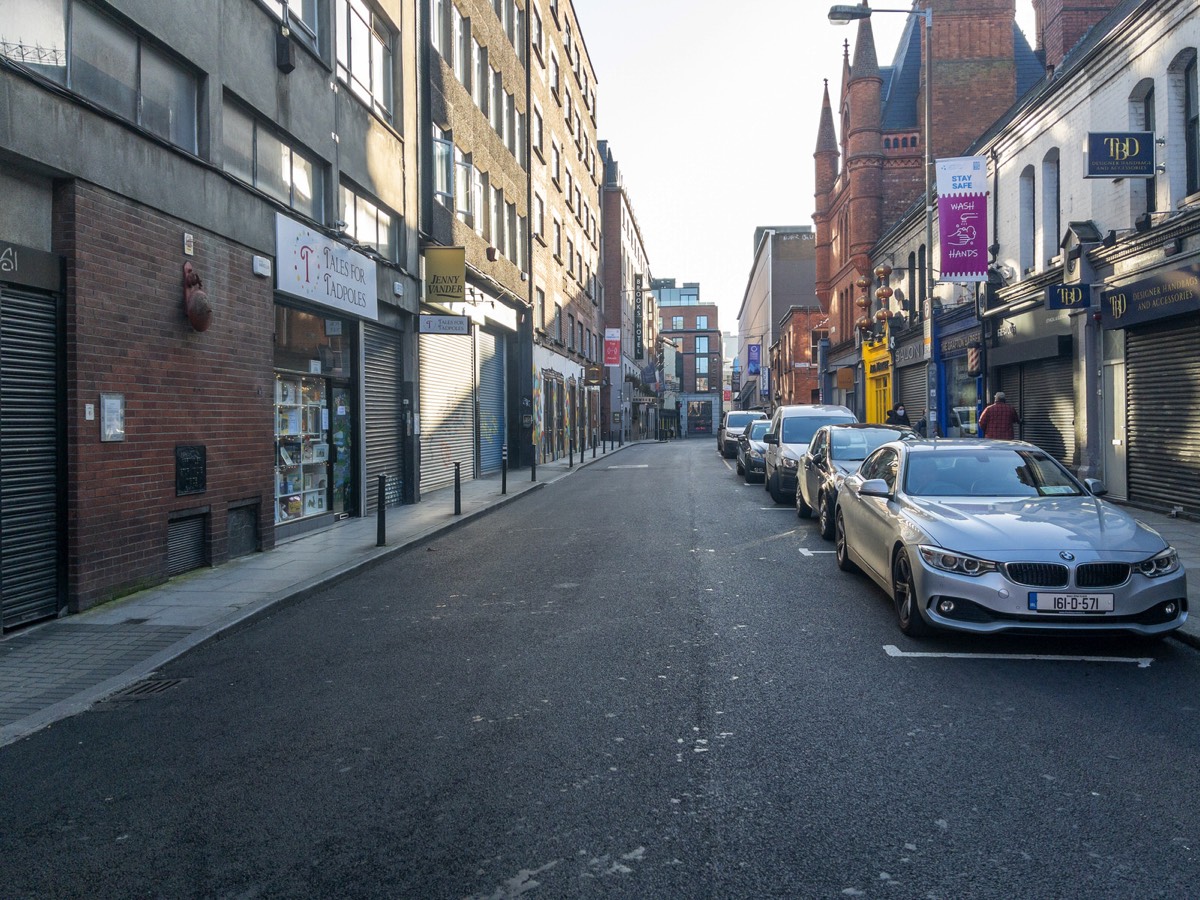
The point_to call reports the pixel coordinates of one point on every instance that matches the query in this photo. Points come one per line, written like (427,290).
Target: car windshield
(758,428)
(737,421)
(987,473)
(800,429)
(850,444)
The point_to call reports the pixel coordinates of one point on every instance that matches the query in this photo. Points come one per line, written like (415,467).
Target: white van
(792,429)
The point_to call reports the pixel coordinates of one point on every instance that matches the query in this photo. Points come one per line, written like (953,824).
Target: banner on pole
(963,218)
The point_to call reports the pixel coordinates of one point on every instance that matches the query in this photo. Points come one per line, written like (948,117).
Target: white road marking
(1143,662)
(804,551)
(790,509)
(642,466)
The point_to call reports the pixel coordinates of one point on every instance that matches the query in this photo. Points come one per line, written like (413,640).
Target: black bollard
(504,469)
(533,465)
(457,489)
(593,445)
(571,453)
(381,514)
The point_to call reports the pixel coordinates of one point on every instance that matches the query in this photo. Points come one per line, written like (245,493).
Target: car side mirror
(1096,486)
(818,457)
(875,487)
(769,438)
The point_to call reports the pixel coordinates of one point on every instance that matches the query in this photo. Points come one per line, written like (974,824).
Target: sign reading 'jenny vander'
(313,267)
(963,218)
(445,274)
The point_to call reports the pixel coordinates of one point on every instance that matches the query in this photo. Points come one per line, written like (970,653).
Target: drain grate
(151,687)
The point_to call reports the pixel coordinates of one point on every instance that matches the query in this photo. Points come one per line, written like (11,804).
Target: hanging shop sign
(753,358)
(444,325)
(1119,154)
(1068,296)
(612,346)
(963,218)
(639,350)
(445,274)
(1157,297)
(315,268)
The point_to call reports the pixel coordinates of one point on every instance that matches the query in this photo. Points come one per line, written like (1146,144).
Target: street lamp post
(842,14)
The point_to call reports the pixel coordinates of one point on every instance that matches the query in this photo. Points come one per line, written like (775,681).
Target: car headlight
(755,453)
(1163,563)
(788,463)
(958,563)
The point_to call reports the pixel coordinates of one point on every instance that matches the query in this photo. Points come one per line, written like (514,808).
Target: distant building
(695,329)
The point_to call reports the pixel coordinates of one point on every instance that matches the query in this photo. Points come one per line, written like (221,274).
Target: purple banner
(962,221)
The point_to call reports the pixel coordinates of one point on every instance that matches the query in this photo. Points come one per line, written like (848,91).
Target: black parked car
(835,452)
(751,452)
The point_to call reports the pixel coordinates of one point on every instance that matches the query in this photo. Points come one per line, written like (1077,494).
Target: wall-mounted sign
(963,218)
(443,325)
(612,346)
(639,351)
(1068,296)
(1119,154)
(315,268)
(445,274)
(1166,294)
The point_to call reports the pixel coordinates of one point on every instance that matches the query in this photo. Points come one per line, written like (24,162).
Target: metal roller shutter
(30,543)
(383,419)
(490,350)
(913,389)
(1162,369)
(1047,407)
(447,409)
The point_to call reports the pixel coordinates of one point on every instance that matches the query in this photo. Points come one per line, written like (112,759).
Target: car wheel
(803,510)
(904,594)
(773,489)
(839,545)
(824,516)
(741,470)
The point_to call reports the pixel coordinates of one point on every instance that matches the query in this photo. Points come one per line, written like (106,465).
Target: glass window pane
(360,57)
(386,243)
(168,100)
(366,225)
(35,35)
(346,206)
(381,71)
(305,194)
(104,62)
(273,172)
(238,134)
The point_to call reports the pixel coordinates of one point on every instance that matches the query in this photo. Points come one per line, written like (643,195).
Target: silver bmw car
(990,536)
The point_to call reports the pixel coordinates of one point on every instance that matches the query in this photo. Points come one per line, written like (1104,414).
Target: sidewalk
(62,667)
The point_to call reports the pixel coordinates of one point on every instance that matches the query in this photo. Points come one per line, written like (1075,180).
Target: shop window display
(302,448)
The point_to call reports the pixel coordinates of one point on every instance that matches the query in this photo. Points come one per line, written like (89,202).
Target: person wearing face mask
(897,416)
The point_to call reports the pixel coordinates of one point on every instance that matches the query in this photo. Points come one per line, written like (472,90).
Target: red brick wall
(126,333)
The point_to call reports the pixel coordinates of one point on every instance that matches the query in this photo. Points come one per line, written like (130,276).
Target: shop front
(324,293)
(1151,332)
(961,385)
(911,366)
(1032,361)
(877,366)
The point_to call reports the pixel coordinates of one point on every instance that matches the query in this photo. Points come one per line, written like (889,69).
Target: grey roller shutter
(490,350)
(1162,370)
(383,422)
(1047,407)
(30,540)
(913,390)
(447,409)
(186,544)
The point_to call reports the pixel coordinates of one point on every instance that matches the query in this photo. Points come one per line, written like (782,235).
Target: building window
(109,65)
(460,43)
(537,37)
(479,193)
(701,323)
(555,77)
(482,84)
(443,167)
(536,134)
(557,329)
(702,344)
(464,179)
(539,218)
(499,238)
(701,365)
(257,156)
(1144,120)
(677,323)
(557,239)
(702,384)
(364,55)
(437,25)
(369,223)
(302,15)
(818,334)
(1027,230)
(1051,227)
(539,308)
(1191,129)
(570,332)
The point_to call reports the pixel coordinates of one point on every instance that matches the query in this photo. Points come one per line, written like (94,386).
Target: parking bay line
(1143,662)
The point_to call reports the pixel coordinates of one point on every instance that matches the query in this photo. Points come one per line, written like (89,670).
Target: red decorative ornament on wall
(196,304)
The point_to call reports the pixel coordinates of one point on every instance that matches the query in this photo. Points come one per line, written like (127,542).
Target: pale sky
(711,109)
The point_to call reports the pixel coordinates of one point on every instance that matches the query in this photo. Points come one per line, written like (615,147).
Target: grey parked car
(751,450)
(991,536)
(732,424)
(792,429)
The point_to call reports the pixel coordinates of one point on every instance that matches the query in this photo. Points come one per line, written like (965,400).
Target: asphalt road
(642,681)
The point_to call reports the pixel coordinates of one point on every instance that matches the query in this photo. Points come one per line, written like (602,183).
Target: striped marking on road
(1143,662)
(804,551)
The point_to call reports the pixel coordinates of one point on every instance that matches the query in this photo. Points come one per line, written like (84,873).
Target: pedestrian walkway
(62,667)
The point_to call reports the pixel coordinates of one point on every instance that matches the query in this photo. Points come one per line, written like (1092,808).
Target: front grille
(1037,574)
(1100,575)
